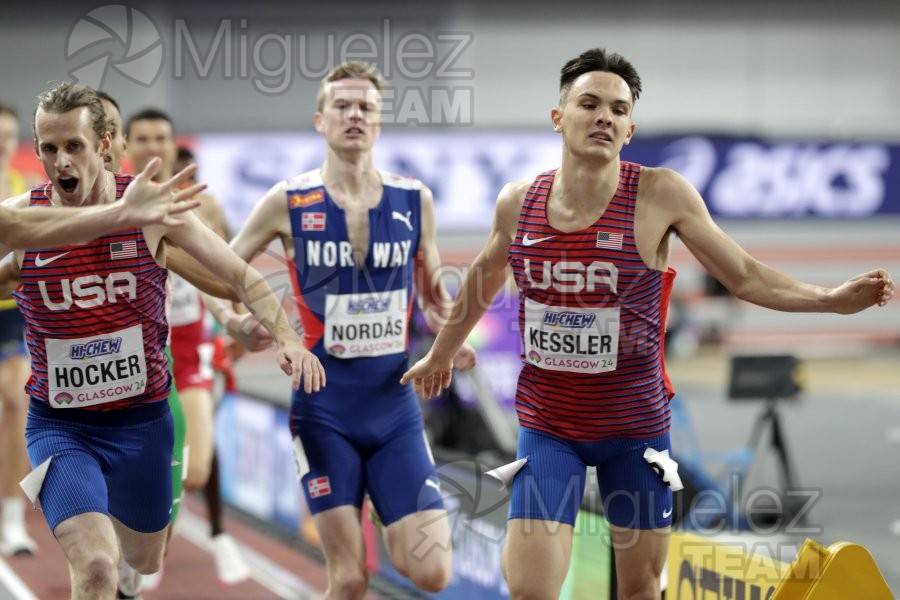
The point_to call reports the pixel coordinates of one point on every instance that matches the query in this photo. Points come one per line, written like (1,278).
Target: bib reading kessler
(581,340)
(97,369)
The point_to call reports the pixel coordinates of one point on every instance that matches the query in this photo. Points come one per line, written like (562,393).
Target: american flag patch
(119,250)
(608,239)
(313,221)
(320,486)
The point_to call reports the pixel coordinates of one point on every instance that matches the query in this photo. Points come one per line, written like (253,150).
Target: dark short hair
(597,59)
(70,96)
(104,96)
(149,114)
(184,154)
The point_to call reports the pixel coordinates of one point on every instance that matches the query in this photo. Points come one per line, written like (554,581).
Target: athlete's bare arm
(9,277)
(214,254)
(484,279)
(669,194)
(183,264)
(145,202)
(268,220)
(212,214)
(433,296)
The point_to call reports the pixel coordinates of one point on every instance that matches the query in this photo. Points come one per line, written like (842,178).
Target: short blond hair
(351,69)
(71,96)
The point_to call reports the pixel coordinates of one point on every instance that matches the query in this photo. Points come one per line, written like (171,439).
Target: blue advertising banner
(737,177)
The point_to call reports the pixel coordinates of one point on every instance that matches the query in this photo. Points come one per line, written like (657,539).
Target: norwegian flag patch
(313,221)
(320,486)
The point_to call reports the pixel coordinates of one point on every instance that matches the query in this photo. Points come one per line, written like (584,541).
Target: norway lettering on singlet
(592,318)
(95,320)
(347,312)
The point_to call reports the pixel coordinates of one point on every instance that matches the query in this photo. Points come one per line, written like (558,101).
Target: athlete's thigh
(633,492)
(341,534)
(329,466)
(640,558)
(74,481)
(140,474)
(550,485)
(536,557)
(400,475)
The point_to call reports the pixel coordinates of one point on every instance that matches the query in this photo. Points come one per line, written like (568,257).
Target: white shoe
(151,582)
(15,541)
(230,565)
(129,580)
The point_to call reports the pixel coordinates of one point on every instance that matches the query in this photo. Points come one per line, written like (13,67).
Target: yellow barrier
(701,569)
(843,571)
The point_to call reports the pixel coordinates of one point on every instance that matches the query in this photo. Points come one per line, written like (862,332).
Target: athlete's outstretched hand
(148,202)
(301,365)
(247,331)
(430,377)
(860,292)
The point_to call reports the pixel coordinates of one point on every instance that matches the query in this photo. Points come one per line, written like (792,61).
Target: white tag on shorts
(34,481)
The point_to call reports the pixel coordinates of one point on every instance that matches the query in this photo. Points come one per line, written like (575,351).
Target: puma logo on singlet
(401,217)
(526,241)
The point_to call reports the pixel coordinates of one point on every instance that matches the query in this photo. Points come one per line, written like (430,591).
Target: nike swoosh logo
(666,513)
(526,241)
(43,262)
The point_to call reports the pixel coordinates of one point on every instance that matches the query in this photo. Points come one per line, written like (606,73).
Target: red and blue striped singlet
(95,320)
(592,317)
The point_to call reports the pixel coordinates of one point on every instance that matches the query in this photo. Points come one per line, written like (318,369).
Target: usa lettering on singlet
(95,319)
(592,319)
(346,311)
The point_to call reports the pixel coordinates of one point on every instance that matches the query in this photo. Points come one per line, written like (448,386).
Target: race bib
(366,324)
(186,305)
(580,340)
(97,369)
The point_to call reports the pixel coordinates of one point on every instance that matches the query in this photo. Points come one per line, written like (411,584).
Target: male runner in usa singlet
(588,244)
(99,431)
(358,238)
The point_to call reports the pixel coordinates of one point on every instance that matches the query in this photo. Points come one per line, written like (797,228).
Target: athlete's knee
(348,584)
(638,586)
(97,570)
(532,589)
(431,577)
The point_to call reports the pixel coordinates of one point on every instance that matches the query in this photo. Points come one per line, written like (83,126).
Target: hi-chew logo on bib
(96,369)
(366,324)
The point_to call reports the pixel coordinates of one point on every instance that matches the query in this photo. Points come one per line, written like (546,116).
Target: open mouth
(602,137)
(354,131)
(68,184)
